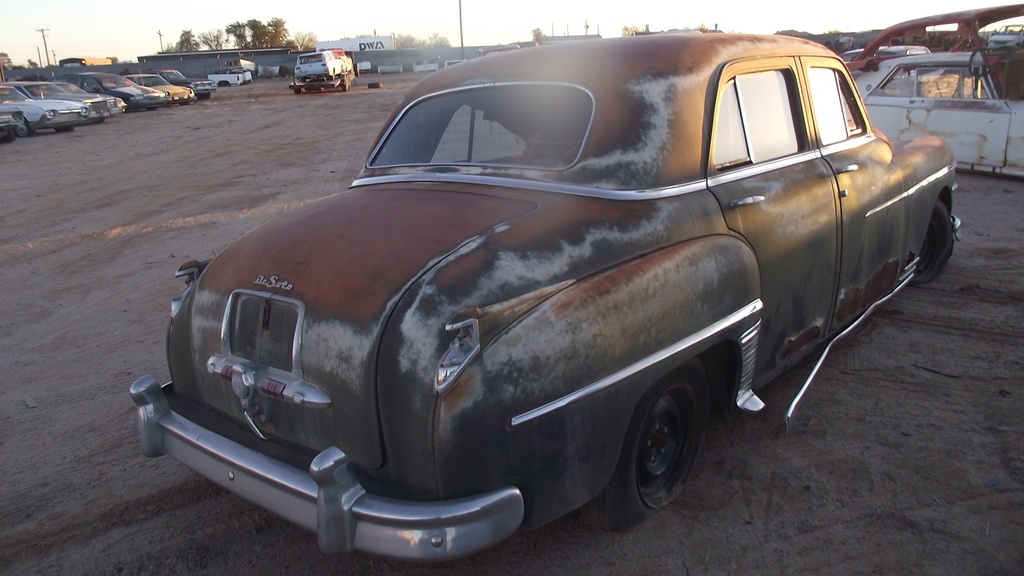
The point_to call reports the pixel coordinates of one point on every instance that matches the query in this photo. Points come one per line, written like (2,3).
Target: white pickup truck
(323,71)
(234,73)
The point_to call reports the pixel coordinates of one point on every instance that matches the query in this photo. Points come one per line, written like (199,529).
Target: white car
(971,100)
(60,115)
(1009,36)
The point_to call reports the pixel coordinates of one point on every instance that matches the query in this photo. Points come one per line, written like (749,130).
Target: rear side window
(755,120)
(949,82)
(834,107)
(529,125)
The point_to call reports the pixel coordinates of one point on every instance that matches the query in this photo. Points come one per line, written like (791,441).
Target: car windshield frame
(432,130)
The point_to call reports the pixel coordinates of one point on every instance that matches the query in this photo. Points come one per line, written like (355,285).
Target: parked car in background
(1010,37)
(10,119)
(951,32)
(181,95)
(72,89)
(59,115)
(134,96)
(100,106)
(204,88)
(553,263)
(956,96)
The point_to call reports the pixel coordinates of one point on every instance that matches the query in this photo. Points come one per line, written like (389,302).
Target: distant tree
(186,42)
(630,30)
(113,59)
(277,33)
(438,41)
(408,41)
(32,63)
(239,33)
(305,41)
(212,39)
(5,61)
(538,36)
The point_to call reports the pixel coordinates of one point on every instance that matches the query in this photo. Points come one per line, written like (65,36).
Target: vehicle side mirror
(977,64)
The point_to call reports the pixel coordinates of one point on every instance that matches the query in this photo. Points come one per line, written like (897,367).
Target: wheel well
(720,363)
(946,197)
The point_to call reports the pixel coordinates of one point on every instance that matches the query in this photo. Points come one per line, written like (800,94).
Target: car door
(947,101)
(777,192)
(874,235)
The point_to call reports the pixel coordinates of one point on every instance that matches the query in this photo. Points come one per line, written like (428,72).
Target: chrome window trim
(612,379)
(761,168)
(538,185)
(432,95)
(910,192)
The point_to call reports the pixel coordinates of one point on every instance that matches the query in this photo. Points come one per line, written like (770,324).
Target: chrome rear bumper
(328,499)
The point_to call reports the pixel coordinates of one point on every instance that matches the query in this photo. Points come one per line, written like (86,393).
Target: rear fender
(547,401)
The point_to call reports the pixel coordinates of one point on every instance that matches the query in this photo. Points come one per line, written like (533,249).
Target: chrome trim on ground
(328,499)
(693,339)
(840,336)
(913,189)
(538,185)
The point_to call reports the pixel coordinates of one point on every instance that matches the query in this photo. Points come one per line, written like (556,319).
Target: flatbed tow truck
(325,70)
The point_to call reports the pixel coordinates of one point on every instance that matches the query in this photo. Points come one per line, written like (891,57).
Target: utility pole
(462,43)
(46,49)
(158,33)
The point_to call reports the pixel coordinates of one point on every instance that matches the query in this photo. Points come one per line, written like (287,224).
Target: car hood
(347,259)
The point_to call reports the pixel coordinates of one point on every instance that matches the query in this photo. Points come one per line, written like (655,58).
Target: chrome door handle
(746,201)
(850,168)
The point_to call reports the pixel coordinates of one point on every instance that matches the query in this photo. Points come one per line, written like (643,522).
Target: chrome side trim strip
(538,185)
(913,189)
(760,168)
(610,380)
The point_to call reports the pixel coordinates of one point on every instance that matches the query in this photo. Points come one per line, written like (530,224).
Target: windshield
(150,80)
(70,88)
(8,94)
(524,125)
(174,74)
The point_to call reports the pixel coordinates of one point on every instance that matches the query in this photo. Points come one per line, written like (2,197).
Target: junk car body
(134,96)
(58,115)
(100,106)
(552,263)
(974,101)
(961,31)
(181,95)
(204,88)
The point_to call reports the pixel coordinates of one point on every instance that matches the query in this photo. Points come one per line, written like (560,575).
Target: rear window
(311,59)
(526,125)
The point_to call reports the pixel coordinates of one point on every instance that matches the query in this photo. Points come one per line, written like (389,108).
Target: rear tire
(662,444)
(937,247)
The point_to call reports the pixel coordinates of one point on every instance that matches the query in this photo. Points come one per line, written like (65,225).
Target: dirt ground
(905,457)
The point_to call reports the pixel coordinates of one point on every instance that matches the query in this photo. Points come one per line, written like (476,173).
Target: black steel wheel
(937,247)
(660,449)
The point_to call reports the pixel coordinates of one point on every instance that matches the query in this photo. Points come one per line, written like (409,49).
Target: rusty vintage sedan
(554,262)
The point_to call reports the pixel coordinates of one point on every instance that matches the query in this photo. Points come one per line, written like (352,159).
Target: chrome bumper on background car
(328,499)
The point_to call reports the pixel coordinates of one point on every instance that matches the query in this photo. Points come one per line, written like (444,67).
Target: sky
(76,29)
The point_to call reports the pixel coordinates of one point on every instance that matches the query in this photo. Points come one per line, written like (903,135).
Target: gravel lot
(905,457)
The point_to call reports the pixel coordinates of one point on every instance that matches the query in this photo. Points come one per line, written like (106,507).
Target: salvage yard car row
(74,99)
